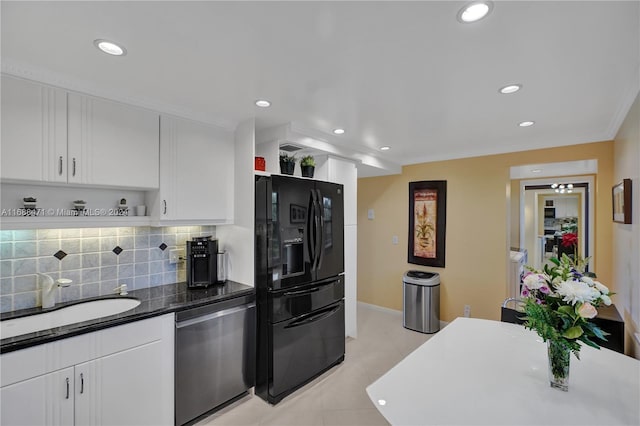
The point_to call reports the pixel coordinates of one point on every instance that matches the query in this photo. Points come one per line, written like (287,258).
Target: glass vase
(559,357)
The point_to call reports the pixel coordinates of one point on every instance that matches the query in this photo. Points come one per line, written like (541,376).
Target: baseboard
(379,308)
(394,312)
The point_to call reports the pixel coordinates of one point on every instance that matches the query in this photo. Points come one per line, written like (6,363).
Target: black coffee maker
(202,262)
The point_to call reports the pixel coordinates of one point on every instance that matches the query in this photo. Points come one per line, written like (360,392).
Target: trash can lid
(421,278)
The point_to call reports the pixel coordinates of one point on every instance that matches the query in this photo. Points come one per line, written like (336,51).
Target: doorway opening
(549,215)
(541,214)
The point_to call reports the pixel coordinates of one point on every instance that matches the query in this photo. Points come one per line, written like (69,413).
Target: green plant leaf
(573,332)
(566,309)
(595,330)
(584,338)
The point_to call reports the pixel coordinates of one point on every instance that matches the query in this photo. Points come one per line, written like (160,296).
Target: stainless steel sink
(79,312)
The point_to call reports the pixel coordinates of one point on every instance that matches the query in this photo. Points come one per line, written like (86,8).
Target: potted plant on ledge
(307,165)
(287,163)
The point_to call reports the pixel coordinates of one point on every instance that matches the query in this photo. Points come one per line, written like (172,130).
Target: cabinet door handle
(60,166)
(74,166)
(67,397)
(81,383)
(165,206)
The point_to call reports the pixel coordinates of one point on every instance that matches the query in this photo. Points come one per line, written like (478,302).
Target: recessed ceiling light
(110,47)
(382,402)
(512,88)
(263,103)
(474,11)
(526,123)
(338,131)
(385,148)
(536,171)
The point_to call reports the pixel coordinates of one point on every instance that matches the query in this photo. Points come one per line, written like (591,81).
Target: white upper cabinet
(196,172)
(112,144)
(566,206)
(51,135)
(34,132)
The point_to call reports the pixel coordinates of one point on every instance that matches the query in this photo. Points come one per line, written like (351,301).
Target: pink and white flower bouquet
(561,299)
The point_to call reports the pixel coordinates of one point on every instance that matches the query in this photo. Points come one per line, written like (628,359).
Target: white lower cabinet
(42,400)
(120,389)
(130,384)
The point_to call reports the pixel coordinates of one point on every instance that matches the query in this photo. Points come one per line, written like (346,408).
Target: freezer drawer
(304,347)
(214,359)
(296,301)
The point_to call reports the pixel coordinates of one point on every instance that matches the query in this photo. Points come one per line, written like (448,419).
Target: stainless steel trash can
(421,301)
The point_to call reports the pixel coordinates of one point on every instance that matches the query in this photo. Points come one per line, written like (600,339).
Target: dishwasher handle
(204,318)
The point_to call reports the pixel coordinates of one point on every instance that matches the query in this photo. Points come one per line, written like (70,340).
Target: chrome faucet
(49,289)
(121,289)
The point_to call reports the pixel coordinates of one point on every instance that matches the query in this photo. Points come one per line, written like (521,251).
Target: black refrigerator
(299,267)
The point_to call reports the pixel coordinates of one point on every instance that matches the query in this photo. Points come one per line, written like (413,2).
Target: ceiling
(407,75)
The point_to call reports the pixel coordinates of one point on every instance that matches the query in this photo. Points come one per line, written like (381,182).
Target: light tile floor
(338,397)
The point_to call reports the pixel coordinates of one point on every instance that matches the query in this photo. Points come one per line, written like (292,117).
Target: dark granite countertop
(154,301)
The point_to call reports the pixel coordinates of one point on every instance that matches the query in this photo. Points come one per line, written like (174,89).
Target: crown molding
(63,81)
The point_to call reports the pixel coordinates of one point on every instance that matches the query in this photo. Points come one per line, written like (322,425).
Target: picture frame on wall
(621,197)
(427,222)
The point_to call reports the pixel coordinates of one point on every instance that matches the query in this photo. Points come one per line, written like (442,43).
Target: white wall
(626,238)
(238,239)
(343,171)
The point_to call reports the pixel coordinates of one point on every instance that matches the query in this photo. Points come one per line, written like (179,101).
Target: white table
(481,372)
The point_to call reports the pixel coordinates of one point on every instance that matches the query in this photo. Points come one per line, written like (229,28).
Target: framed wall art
(621,196)
(427,222)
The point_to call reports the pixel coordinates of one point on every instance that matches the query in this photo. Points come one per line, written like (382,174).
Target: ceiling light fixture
(536,170)
(526,123)
(110,47)
(385,148)
(561,188)
(338,131)
(263,103)
(474,11)
(512,88)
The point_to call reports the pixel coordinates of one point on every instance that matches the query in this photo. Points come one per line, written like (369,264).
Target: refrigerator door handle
(317,225)
(311,229)
(320,239)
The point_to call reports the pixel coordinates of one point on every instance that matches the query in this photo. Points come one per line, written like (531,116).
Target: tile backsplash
(96,259)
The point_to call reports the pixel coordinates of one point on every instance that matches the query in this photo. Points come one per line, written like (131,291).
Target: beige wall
(626,246)
(478,228)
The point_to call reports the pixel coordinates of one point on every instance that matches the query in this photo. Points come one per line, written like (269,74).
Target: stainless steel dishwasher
(214,356)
